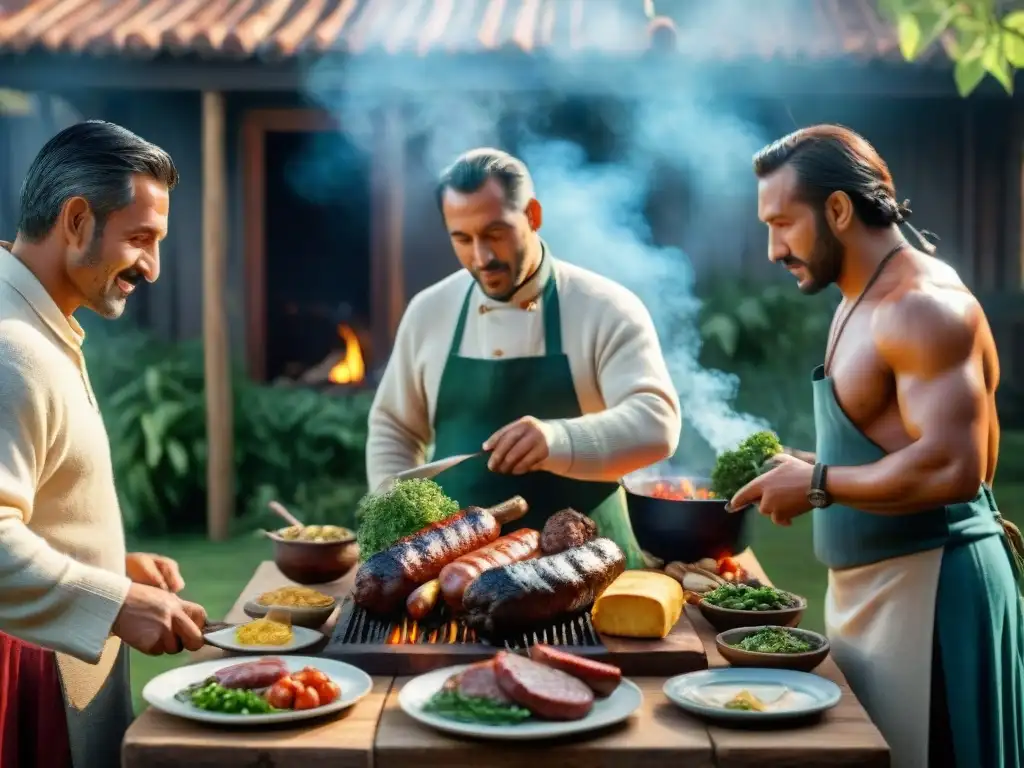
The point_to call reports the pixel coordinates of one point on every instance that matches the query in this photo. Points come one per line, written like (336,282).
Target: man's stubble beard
(91,260)
(826,261)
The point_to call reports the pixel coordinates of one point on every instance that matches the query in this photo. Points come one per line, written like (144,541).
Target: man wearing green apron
(553,374)
(923,609)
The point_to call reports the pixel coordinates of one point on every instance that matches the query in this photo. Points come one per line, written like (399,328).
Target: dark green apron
(979,617)
(476,398)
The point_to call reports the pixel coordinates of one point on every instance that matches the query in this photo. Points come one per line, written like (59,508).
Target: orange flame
(350,369)
(409,632)
(679,490)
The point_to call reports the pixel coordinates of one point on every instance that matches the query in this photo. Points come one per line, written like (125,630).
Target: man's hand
(780,493)
(154,621)
(154,571)
(519,447)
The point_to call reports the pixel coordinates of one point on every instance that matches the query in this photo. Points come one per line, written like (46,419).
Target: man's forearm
(53,600)
(913,479)
(806,456)
(608,445)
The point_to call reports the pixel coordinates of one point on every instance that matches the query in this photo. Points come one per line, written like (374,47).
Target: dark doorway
(317,249)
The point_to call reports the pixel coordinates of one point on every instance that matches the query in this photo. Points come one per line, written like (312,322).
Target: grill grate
(362,628)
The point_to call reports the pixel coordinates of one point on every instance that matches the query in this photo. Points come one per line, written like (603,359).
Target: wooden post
(388,193)
(220,471)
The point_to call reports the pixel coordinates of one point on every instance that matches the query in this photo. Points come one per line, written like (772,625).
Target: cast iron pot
(684,530)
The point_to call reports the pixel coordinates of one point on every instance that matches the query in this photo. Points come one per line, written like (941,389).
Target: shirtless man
(923,609)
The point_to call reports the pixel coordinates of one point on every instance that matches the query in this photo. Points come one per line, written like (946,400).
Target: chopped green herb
(773,640)
(468,709)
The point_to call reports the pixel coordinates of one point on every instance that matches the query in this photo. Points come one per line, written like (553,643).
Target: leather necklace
(833,341)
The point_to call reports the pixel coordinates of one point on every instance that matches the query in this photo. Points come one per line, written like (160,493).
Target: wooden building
(220,84)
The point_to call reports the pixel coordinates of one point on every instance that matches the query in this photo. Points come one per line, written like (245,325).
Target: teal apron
(979,616)
(476,398)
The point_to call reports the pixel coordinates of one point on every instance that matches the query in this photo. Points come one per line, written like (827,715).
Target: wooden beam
(387,269)
(220,470)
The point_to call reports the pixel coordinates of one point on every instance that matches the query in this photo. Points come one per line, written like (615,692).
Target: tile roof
(721,30)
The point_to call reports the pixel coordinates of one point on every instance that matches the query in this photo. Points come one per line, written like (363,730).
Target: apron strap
(552,315)
(550,307)
(460,326)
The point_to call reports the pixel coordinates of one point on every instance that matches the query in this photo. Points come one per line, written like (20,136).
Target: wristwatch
(817,495)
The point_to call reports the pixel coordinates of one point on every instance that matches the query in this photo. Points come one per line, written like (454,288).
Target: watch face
(818,498)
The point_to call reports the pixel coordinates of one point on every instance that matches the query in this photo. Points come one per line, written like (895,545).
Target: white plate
(301,638)
(790,694)
(414,695)
(161,690)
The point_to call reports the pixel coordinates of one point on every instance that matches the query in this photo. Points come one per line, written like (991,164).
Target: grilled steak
(566,529)
(516,597)
(385,581)
(478,681)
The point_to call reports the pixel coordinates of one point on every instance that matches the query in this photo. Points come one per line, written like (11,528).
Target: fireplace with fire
(317,286)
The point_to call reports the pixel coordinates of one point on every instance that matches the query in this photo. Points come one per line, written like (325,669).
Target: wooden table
(377,734)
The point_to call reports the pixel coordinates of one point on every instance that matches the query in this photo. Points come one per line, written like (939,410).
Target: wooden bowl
(314,562)
(800,662)
(730,618)
(312,618)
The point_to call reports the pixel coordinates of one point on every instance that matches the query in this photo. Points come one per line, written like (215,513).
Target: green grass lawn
(215,574)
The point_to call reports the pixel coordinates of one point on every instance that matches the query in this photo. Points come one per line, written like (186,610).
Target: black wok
(684,530)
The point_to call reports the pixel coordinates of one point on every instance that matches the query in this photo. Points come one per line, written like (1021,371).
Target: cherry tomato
(282,694)
(307,698)
(311,676)
(328,690)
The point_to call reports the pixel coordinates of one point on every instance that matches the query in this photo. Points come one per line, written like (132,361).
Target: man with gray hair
(553,374)
(93,212)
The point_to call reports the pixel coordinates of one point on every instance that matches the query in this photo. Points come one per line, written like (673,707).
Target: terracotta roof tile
(770,29)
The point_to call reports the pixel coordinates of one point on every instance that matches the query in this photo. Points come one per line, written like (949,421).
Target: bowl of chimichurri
(773,646)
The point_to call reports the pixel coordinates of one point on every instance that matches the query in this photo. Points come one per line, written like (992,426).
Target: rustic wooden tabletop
(377,734)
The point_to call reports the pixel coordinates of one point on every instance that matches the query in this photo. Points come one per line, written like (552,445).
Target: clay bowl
(314,562)
(724,619)
(313,618)
(800,662)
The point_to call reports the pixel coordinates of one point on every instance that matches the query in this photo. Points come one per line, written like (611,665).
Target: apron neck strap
(549,306)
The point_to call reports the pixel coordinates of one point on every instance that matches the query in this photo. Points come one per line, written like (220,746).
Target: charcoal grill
(400,646)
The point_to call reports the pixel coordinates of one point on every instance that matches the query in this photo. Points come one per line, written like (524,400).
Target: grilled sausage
(545,691)
(459,574)
(423,599)
(385,581)
(520,596)
(602,678)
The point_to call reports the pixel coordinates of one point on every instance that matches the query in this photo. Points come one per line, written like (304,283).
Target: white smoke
(594,211)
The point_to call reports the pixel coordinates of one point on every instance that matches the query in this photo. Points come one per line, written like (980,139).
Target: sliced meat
(602,678)
(566,529)
(548,693)
(478,681)
(252,674)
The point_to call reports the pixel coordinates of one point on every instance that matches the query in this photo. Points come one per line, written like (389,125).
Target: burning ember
(410,633)
(678,490)
(350,369)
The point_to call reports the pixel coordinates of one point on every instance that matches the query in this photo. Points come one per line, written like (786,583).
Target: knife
(431,470)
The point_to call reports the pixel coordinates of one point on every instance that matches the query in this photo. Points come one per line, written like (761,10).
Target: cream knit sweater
(631,409)
(62,548)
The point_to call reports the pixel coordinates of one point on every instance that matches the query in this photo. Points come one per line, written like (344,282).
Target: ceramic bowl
(314,562)
(311,618)
(800,662)
(730,618)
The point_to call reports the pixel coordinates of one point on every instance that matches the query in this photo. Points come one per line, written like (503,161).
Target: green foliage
(405,508)
(981,37)
(735,468)
(771,337)
(301,447)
